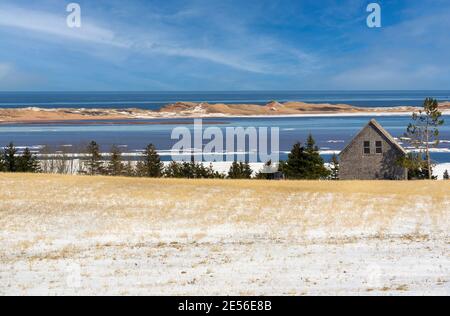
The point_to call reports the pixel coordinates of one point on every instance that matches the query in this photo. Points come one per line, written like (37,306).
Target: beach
(201,110)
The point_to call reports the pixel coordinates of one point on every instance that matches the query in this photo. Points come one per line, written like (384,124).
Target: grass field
(100,235)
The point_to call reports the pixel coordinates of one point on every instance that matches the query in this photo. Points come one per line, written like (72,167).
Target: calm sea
(331,133)
(154,100)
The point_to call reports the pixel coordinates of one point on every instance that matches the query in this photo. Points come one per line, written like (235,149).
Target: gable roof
(373,123)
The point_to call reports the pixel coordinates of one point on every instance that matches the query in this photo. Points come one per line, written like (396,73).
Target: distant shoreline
(188,110)
(88,122)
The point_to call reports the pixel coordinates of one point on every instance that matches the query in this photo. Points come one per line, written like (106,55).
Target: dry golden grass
(304,204)
(177,236)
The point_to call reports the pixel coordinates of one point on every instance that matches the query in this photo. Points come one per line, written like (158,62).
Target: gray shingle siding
(355,164)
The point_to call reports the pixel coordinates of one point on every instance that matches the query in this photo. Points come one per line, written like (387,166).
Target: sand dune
(193,110)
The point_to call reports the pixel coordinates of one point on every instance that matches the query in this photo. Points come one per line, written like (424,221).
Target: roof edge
(382,130)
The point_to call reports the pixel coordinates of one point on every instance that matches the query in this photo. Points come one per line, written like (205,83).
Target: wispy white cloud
(53,24)
(240,50)
(408,55)
(218,45)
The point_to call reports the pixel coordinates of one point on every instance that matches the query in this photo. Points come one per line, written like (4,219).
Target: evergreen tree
(93,162)
(311,147)
(188,169)
(315,164)
(417,166)
(334,166)
(446,175)
(240,170)
(115,165)
(140,169)
(151,165)
(191,170)
(294,168)
(10,159)
(305,163)
(184,169)
(212,174)
(28,162)
(173,170)
(423,132)
(202,172)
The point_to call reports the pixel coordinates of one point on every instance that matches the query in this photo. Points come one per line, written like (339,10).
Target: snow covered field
(85,235)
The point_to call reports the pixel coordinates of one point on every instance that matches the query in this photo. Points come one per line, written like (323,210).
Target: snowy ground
(439,170)
(83,235)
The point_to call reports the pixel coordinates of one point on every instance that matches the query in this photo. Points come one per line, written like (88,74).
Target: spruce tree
(423,132)
(315,164)
(212,174)
(234,171)
(202,172)
(140,169)
(294,168)
(191,170)
(446,175)
(28,162)
(93,161)
(240,170)
(151,165)
(334,167)
(305,163)
(311,147)
(10,158)
(115,165)
(173,170)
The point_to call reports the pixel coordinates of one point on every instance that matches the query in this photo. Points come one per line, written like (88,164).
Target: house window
(367,148)
(378,147)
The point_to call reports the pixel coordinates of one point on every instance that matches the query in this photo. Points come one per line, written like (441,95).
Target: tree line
(10,161)
(304,162)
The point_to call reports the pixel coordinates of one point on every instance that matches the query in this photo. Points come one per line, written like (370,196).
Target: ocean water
(155,100)
(331,133)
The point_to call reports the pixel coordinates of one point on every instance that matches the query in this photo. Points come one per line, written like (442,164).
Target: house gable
(373,124)
(372,154)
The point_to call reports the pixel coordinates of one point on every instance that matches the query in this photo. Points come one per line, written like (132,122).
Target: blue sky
(224,45)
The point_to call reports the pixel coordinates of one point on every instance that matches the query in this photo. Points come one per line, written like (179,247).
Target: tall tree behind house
(423,132)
